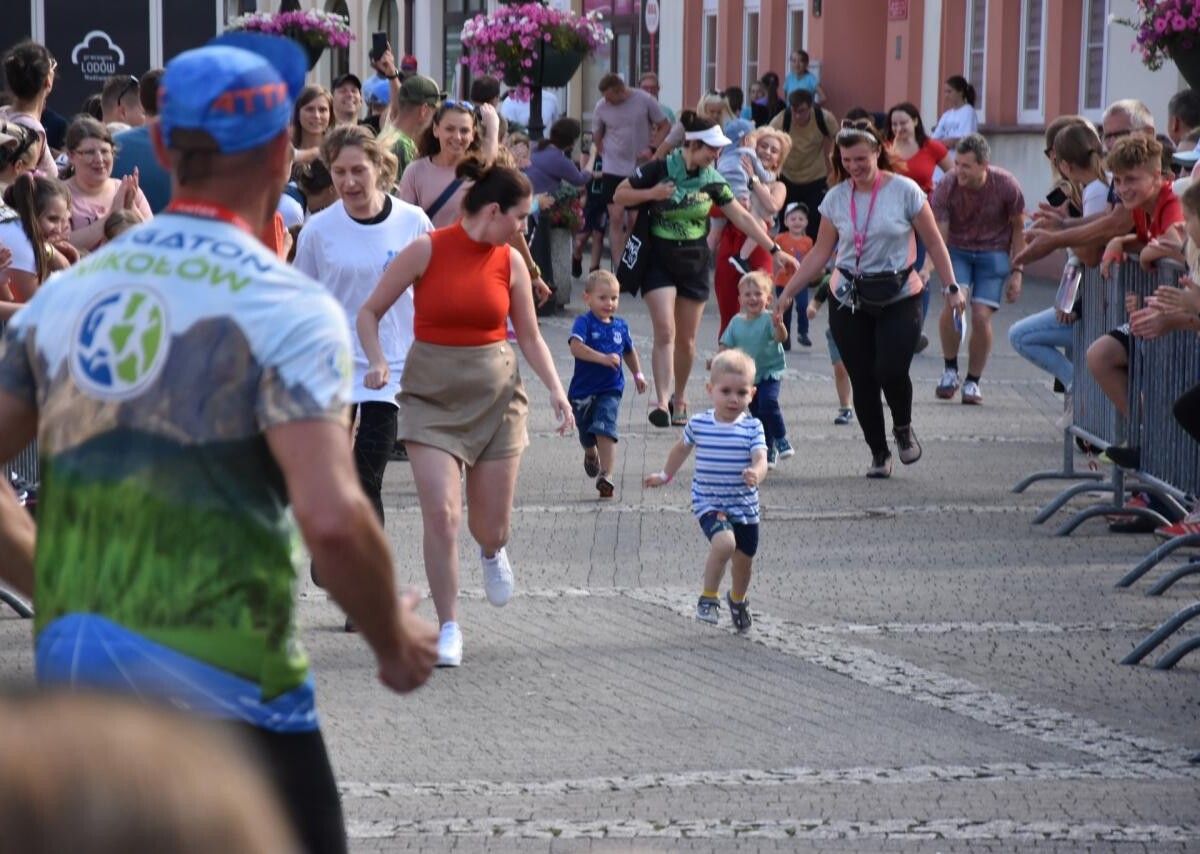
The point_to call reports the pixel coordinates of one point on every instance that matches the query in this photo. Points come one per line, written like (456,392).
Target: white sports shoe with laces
(497,577)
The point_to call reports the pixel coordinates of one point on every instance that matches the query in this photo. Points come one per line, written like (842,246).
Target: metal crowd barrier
(1095,420)
(24,464)
(1160,370)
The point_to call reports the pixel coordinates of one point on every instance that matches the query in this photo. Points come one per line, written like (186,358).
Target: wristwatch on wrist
(950,289)
(775,248)
(1020,270)
(750,181)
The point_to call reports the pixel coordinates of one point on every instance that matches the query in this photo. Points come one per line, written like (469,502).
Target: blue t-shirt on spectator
(590,378)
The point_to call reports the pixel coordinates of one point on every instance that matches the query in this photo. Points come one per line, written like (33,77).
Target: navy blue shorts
(597,416)
(745,536)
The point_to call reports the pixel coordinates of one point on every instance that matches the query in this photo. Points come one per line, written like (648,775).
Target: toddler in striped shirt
(731,461)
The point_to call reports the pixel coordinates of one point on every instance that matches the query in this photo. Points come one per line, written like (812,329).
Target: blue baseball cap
(376,91)
(736,129)
(239,89)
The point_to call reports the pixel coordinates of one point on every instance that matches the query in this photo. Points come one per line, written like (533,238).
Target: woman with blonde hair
(712,106)
(346,247)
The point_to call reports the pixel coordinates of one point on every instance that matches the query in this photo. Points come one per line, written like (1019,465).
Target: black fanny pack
(875,290)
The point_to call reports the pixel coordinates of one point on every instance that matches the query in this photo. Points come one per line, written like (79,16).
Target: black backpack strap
(819,115)
(441,200)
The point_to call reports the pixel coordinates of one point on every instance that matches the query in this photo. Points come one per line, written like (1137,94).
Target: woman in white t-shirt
(960,118)
(1045,338)
(346,247)
(869,218)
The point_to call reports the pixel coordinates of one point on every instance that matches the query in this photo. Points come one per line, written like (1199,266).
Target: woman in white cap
(679,191)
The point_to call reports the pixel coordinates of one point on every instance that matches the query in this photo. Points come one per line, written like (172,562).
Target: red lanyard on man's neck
(860,237)
(210,210)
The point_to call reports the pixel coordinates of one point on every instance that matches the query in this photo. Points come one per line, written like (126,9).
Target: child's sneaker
(591,462)
(785,449)
(1187,526)
(772,455)
(739,613)
(708,610)
(739,264)
(604,486)
(844,417)
(971,395)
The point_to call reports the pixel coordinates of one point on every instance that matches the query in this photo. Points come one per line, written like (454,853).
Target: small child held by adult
(755,331)
(796,242)
(731,461)
(599,341)
(841,379)
(733,163)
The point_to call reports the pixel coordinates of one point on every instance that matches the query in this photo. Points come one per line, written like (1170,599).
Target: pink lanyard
(860,237)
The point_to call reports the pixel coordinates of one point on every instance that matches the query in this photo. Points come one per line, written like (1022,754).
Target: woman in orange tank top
(461,398)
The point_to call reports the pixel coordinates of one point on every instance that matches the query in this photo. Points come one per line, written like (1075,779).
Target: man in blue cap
(187,387)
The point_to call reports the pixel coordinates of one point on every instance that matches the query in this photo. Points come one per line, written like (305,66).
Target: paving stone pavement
(928,671)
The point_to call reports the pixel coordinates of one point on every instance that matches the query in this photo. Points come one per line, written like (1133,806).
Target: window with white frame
(797,38)
(1093,51)
(975,61)
(1032,88)
(708,59)
(749,47)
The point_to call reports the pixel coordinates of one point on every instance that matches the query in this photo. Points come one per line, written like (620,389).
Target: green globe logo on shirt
(120,343)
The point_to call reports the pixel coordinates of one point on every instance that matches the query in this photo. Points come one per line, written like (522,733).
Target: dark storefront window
(456,13)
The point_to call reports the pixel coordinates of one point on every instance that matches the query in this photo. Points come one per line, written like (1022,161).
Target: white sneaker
(1067,418)
(971,395)
(449,646)
(497,577)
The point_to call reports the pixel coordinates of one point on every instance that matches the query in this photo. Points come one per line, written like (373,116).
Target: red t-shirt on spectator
(1167,212)
(921,165)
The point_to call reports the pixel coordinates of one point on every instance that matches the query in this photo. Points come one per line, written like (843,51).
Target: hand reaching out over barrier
(1182,300)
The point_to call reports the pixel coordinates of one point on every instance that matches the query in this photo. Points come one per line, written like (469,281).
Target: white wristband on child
(664,477)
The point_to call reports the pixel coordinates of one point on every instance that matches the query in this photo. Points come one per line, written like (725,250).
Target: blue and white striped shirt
(723,450)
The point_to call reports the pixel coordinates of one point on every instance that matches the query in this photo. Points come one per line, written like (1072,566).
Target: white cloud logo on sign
(95,62)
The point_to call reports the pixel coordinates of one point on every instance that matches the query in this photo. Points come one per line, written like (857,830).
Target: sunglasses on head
(857,124)
(856,133)
(130,86)
(459,105)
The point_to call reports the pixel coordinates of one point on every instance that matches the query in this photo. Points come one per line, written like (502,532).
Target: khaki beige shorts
(467,401)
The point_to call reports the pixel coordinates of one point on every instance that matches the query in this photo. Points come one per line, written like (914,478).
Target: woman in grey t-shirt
(869,218)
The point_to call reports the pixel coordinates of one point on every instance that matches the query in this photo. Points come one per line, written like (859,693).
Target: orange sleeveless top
(462,298)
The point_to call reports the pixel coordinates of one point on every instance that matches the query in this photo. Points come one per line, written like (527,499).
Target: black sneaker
(1124,456)
(804,340)
(591,462)
(907,445)
(708,610)
(743,267)
(739,613)
(881,466)
(399,453)
(576,267)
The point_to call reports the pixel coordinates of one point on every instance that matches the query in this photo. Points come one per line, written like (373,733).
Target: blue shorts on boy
(595,390)
(723,451)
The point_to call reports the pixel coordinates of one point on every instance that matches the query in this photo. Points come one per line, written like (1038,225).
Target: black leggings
(296,766)
(373,445)
(1187,411)
(877,350)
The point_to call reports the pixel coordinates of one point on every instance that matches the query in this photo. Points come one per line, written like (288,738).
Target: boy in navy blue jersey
(599,341)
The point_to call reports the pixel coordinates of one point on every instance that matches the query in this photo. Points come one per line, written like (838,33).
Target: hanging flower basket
(1168,29)
(529,44)
(314,31)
